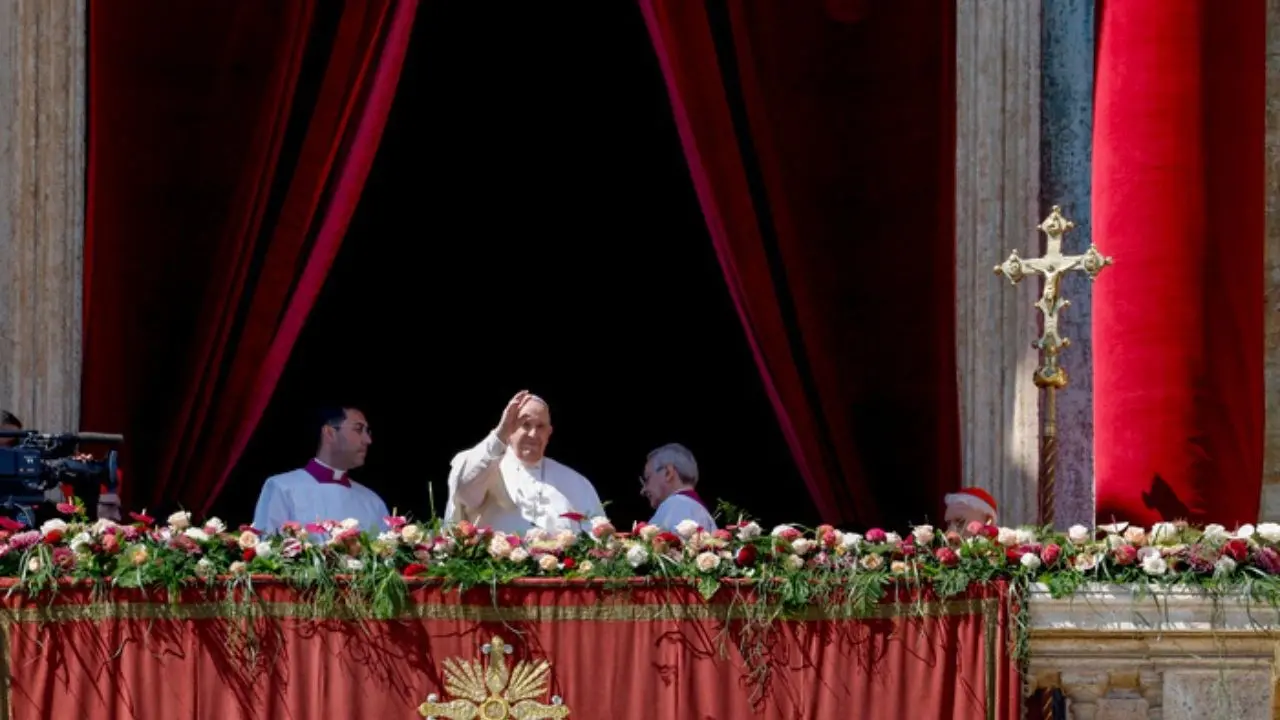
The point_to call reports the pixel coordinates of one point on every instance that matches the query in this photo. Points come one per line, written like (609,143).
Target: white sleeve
(274,508)
(676,509)
(471,476)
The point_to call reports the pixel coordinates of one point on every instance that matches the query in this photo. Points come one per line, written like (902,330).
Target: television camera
(38,462)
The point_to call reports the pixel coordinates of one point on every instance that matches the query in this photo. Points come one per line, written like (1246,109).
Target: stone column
(997,210)
(42,205)
(1066,144)
(1271,460)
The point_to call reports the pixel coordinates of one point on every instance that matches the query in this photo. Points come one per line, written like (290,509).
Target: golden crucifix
(1050,376)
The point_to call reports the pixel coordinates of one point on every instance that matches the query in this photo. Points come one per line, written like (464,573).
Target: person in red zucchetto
(968,505)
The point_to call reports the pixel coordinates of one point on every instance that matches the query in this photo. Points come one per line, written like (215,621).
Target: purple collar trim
(692,495)
(325,475)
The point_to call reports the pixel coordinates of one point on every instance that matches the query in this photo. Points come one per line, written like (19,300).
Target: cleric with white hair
(670,474)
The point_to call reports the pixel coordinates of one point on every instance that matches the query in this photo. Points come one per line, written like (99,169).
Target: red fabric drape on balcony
(614,654)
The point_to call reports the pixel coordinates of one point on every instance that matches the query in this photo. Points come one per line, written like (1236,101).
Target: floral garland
(807,567)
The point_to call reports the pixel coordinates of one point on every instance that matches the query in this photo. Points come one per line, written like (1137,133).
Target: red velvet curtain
(1179,201)
(222,176)
(613,654)
(821,141)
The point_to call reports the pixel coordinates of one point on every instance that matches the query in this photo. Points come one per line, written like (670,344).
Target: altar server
(323,490)
(670,474)
(507,483)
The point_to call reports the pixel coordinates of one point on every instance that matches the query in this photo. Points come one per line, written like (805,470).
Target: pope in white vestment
(507,483)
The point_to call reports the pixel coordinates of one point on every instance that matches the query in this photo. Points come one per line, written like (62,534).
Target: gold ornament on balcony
(495,692)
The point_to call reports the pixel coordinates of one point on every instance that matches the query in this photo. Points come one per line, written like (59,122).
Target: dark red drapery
(820,138)
(646,652)
(1179,201)
(221,182)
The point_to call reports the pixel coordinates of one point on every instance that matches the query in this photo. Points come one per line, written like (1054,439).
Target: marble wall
(42,177)
(998,45)
(1066,147)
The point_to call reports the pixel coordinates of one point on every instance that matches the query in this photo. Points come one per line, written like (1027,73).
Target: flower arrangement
(795,567)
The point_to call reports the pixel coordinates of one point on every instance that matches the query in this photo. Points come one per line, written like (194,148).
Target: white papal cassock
(317,493)
(489,486)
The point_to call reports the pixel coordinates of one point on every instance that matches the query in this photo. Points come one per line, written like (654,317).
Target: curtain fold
(1180,202)
(226,158)
(820,140)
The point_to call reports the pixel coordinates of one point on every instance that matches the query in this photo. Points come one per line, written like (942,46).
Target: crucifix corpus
(1050,376)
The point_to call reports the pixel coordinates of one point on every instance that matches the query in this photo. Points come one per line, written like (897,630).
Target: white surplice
(490,486)
(314,494)
(679,507)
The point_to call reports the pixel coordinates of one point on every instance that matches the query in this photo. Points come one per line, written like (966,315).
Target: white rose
(1024,536)
(851,541)
(389,537)
(214,526)
(749,531)
(1269,532)
(1030,561)
(1007,537)
(1224,566)
(923,534)
(1135,535)
(54,525)
(33,565)
(1078,534)
(81,541)
(637,555)
(354,564)
(1163,532)
(892,538)
(548,562)
(204,567)
(180,520)
(262,550)
(1215,533)
(779,530)
(794,562)
(707,562)
(649,532)
(1154,565)
(350,524)
(248,539)
(871,562)
(599,521)
(686,529)
(197,534)
(802,546)
(238,568)
(499,546)
(518,555)
(1246,532)
(411,534)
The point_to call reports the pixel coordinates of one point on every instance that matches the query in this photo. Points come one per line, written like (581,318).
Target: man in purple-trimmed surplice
(323,489)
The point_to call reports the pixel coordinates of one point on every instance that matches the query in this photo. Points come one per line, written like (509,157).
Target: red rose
(413,570)
(746,556)
(1050,554)
(1125,555)
(947,556)
(1014,554)
(53,537)
(1236,549)
(249,555)
(990,532)
(568,563)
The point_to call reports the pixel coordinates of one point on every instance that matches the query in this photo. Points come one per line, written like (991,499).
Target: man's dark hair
(8,418)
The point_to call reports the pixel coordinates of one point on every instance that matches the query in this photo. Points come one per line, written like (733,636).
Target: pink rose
(1050,554)
(876,536)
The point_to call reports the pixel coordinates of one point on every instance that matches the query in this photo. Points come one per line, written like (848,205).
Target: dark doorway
(530,223)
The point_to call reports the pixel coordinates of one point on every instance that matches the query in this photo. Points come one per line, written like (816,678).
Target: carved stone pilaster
(997,207)
(1271,456)
(42,205)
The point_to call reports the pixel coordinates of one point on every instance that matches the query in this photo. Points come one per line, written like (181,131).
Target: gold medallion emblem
(495,692)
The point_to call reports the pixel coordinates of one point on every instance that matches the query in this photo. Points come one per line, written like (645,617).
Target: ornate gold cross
(1050,376)
(1053,266)
(493,690)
